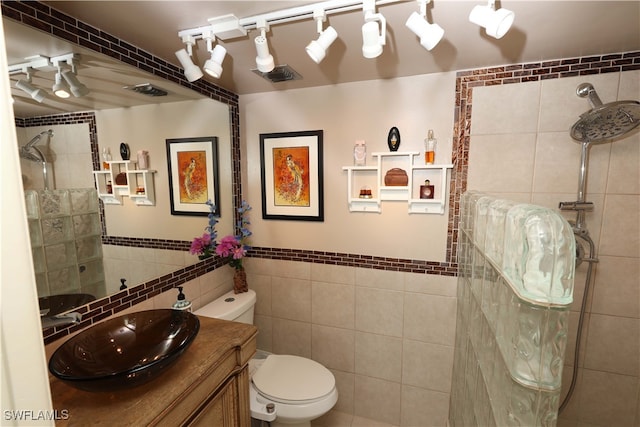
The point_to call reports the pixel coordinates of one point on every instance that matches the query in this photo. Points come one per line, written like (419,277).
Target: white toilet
(299,389)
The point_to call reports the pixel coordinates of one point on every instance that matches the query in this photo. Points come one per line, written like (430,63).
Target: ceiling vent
(281,73)
(147,89)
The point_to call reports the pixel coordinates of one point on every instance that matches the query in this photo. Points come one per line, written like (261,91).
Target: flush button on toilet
(230,299)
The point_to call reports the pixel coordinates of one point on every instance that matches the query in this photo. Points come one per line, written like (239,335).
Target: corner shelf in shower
(126,181)
(374,176)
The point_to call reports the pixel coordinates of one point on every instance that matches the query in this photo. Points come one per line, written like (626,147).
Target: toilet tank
(230,306)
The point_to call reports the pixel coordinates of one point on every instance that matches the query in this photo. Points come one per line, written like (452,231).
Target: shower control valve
(576,206)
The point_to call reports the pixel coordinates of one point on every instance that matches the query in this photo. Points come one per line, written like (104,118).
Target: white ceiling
(543,30)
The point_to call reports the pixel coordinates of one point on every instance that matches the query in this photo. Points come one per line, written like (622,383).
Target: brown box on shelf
(396,177)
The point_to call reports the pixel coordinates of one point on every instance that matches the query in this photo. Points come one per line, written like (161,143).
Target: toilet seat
(292,379)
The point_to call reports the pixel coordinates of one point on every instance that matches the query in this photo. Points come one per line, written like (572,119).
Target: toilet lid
(293,378)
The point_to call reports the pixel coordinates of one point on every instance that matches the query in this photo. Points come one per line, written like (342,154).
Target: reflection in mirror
(134,248)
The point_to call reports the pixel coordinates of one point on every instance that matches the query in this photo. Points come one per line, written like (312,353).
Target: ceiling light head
(373,35)
(317,49)
(213,65)
(26,86)
(60,87)
(495,22)
(430,34)
(191,71)
(77,88)
(264,60)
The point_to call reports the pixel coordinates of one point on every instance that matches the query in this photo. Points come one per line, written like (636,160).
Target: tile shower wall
(374,329)
(524,128)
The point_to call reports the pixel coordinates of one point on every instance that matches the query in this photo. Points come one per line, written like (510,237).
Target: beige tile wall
(523,129)
(387,336)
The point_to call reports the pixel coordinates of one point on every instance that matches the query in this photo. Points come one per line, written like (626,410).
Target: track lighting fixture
(264,60)
(317,49)
(65,80)
(26,86)
(60,87)
(77,89)
(430,34)
(373,37)
(495,22)
(213,65)
(67,65)
(191,71)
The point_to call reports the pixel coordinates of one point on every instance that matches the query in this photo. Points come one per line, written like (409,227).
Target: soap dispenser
(182,303)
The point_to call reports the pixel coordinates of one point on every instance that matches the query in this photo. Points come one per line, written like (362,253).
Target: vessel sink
(53,305)
(125,351)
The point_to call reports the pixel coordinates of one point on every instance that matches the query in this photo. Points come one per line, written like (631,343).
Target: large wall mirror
(64,140)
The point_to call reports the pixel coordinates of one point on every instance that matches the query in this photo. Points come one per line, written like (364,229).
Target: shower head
(30,152)
(36,138)
(604,121)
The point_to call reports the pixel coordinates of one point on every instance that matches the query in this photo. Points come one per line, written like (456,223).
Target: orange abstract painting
(192,167)
(291,176)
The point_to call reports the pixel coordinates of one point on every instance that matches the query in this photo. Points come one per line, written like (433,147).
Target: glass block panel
(64,281)
(60,255)
(496,216)
(515,284)
(89,248)
(31,203)
(42,284)
(35,232)
(56,230)
(86,225)
(54,202)
(84,200)
(39,263)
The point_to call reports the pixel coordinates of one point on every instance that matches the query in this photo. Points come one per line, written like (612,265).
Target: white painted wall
(346,113)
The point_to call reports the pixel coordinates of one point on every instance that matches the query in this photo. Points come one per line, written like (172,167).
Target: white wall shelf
(122,179)
(373,177)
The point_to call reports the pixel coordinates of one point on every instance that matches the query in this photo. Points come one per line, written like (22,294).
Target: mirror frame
(45,18)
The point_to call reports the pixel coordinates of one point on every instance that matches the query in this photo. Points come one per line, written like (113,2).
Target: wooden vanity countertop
(220,350)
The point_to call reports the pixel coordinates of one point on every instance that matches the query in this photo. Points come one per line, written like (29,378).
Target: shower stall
(500,326)
(64,223)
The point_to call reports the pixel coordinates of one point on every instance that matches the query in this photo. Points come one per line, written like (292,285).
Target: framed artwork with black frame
(292,175)
(193,175)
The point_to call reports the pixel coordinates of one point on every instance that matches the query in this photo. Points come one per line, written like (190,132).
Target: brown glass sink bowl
(125,351)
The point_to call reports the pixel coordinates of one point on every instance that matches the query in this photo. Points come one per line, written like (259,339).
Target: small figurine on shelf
(393,139)
(106,158)
(360,153)
(426,190)
(124,151)
(430,148)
